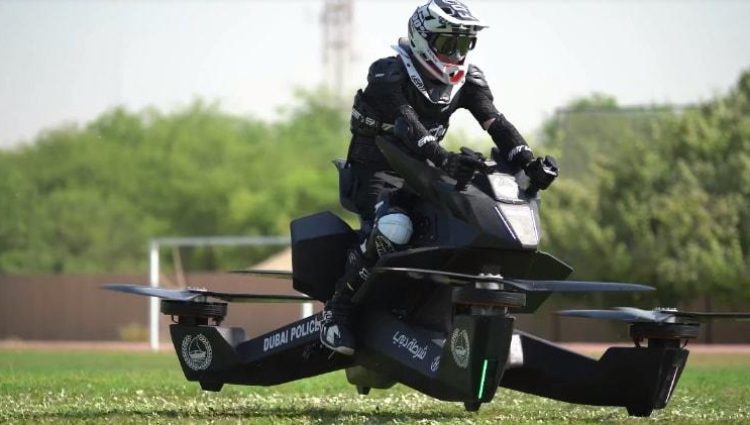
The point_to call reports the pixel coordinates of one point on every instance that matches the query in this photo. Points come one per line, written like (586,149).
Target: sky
(69,61)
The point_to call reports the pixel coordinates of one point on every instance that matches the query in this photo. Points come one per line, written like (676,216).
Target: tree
(667,205)
(87,199)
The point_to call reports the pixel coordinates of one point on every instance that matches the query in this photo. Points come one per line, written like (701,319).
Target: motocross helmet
(441,33)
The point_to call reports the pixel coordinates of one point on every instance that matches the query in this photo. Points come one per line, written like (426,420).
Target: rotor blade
(167,294)
(577,286)
(276,274)
(648,315)
(707,315)
(253,298)
(453,278)
(620,315)
(439,276)
(191,294)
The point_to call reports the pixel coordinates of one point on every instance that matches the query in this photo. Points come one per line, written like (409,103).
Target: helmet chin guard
(441,33)
(435,92)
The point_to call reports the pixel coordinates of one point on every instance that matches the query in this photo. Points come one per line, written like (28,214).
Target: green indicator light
(481,382)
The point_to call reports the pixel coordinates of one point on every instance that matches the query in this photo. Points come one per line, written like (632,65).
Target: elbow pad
(412,133)
(512,146)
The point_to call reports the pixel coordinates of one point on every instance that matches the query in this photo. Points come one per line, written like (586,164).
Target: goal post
(156,244)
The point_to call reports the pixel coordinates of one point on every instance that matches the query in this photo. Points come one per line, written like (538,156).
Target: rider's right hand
(542,172)
(461,166)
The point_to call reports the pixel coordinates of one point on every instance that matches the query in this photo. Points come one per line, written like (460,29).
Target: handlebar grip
(477,165)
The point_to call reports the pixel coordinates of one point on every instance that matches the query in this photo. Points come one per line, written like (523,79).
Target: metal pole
(153,316)
(307,310)
(336,19)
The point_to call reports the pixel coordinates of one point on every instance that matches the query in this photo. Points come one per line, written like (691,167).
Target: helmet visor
(452,45)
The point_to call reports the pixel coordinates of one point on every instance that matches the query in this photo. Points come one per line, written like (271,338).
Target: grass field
(137,387)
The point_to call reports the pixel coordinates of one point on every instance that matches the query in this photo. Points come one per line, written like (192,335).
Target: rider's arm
(413,134)
(478,99)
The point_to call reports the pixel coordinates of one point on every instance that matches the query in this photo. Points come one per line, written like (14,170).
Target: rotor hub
(194,312)
(659,332)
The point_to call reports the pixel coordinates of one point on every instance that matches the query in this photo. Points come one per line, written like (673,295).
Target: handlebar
(545,170)
(481,166)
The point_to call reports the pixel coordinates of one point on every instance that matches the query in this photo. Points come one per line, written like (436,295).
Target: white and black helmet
(441,33)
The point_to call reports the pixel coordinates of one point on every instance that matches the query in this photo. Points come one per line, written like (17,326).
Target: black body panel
(640,379)
(286,354)
(428,361)
(470,213)
(319,244)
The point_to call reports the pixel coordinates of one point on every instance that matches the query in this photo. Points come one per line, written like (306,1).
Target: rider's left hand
(542,172)
(461,166)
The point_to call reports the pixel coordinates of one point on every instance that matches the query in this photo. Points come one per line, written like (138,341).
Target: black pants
(373,186)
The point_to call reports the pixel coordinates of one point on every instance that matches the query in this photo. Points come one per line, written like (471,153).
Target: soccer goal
(156,244)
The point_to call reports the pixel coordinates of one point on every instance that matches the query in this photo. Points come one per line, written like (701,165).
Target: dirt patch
(79,345)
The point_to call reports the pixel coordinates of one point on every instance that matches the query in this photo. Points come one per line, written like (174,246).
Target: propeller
(275,274)
(462,279)
(659,326)
(657,315)
(191,294)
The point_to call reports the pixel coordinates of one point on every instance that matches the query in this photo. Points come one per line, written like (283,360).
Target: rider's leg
(335,329)
(391,232)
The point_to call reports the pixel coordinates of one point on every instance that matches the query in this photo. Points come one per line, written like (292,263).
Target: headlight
(522,222)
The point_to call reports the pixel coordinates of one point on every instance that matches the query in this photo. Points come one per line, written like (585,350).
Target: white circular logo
(460,347)
(196,352)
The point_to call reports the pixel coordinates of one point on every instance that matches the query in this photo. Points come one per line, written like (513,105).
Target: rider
(410,98)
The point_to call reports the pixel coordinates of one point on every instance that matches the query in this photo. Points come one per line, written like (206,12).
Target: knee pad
(396,227)
(391,233)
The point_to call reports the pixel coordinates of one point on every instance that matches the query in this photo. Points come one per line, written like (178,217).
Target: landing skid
(639,379)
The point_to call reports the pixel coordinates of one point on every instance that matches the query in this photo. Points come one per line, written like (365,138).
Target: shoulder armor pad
(476,76)
(386,70)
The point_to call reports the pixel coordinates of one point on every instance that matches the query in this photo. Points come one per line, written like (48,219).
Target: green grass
(91,387)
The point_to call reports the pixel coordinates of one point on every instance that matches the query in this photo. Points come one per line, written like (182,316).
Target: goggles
(453,45)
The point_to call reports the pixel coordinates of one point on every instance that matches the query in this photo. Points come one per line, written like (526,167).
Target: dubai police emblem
(196,352)
(460,347)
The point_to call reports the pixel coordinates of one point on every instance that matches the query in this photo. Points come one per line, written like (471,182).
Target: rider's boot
(391,233)
(336,326)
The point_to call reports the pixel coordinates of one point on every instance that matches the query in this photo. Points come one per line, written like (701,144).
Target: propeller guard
(194,312)
(660,331)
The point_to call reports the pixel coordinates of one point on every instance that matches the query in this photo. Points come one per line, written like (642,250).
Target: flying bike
(439,316)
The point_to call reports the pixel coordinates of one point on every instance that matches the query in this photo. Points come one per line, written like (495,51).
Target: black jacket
(390,97)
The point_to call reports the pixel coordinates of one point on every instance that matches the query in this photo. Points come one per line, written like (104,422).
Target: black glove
(461,166)
(541,172)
